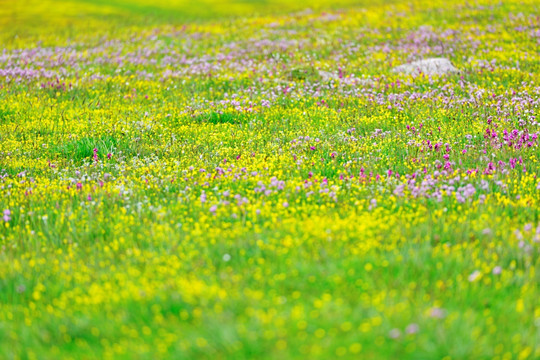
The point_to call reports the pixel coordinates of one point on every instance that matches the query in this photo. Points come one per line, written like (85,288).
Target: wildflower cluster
(267,186)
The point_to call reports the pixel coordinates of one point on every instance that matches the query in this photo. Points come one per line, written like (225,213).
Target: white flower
(475,276)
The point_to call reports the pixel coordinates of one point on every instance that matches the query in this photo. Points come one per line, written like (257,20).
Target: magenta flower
(448,166)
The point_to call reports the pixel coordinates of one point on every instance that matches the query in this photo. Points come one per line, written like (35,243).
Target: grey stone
(432,66)
(327,75)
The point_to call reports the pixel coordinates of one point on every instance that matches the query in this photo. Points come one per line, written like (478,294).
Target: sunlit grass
(250,179)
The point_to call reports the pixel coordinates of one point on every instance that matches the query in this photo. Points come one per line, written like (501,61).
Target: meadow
(251,180)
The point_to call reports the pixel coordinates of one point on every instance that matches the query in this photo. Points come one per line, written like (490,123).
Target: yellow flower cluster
(240,180)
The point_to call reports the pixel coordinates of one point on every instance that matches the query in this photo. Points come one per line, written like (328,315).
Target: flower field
(255,180)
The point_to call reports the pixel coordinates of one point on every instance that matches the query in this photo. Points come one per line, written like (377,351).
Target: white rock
(327,75)
(432,66)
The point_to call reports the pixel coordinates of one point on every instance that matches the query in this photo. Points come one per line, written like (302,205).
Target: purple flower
(412,328)
(398,191)
(7,214)
(394,334)
(213,209)
(437,313)
(497,270)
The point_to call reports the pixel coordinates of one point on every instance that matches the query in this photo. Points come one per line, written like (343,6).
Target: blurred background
(27,19)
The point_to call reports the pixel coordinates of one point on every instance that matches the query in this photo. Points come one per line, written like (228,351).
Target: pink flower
(394,334)
(412,329)
(437,313)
